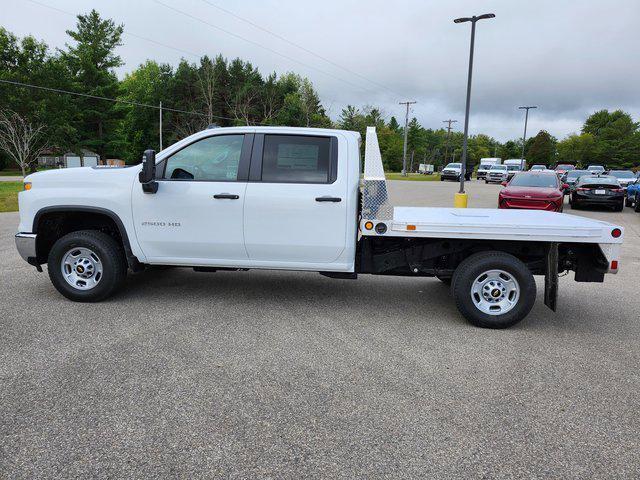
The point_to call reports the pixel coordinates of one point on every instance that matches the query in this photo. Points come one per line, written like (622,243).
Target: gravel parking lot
(293,375)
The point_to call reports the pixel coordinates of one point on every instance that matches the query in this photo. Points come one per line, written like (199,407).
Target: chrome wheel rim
(495,292)
(81,268)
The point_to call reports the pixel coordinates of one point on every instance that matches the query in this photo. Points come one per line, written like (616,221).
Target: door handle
(328,199)
(228,196)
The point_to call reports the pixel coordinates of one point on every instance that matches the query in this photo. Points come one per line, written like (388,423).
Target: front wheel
(493,289)
(87,266)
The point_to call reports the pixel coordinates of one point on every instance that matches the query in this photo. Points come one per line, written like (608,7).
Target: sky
(568,57)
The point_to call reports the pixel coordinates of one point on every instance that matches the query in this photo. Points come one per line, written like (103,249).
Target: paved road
(293,375)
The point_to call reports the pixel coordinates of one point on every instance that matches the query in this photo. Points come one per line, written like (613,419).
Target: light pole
(524,136)
(406,125)
(463,169)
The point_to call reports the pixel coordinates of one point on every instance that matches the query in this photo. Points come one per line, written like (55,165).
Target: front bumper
(26,245)
(496,178)
(449,175)
(530,204)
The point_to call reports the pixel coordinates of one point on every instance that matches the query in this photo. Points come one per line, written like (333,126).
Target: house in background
(86,158)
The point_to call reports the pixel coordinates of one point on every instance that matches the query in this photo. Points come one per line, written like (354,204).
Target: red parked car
(533,191)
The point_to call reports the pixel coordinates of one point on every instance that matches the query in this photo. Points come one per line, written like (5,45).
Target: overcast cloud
(568,57)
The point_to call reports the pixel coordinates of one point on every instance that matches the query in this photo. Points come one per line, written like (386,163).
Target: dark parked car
(602,190)
(571,177)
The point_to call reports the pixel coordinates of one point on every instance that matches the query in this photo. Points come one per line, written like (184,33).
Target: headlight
(27,185)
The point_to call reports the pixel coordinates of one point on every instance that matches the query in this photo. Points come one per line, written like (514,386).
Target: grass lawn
(9,196)
(412,177)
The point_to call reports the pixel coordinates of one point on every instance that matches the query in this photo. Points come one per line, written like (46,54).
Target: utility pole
(463,160)
(446,144)
(411,164)
(524,136)
(406,128)
(160,126)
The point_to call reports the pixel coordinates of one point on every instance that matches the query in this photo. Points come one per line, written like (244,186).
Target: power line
(109,99)
(126,32)
(196,55)
(286,40)
(257,44)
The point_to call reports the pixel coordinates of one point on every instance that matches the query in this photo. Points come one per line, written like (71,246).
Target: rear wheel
(87,266)
(636,202)
(619,208)
(493,289)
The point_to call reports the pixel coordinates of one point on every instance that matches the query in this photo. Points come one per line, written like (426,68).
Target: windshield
(453,165)
(565,167)
(498,167)
(534,180)
(513,167)
(622,174)
(574,174)
(538,167)
(485,166)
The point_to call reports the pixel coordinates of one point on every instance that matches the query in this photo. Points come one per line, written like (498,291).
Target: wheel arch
(50,223)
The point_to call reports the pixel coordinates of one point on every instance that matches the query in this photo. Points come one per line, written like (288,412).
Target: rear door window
(296,159)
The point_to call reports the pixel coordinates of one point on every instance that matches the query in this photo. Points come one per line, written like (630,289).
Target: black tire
(441,179)
(110,256)
(627,201)
(473,267)
(636,203)
(574,206)
(619,208)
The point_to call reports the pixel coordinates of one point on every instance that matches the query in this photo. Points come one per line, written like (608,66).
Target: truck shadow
(306,294)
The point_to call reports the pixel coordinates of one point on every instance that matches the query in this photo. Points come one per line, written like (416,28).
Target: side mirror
(504,184)
(147,175)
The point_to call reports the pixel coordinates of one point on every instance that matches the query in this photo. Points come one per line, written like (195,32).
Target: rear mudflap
(551,276)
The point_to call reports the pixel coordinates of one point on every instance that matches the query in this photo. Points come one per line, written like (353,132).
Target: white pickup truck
(293,199)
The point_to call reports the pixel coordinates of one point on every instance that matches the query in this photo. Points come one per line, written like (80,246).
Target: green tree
(577,149)
(139,127)
(91,59)
(616,138)
(542,149)
(29,61)
(394,126)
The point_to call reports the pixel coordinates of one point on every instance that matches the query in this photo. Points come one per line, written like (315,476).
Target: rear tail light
(614,265)
(582,189)
(618,190)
